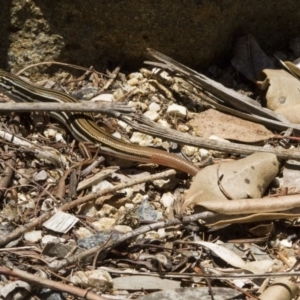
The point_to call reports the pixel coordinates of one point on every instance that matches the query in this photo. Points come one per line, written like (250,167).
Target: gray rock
(96,32)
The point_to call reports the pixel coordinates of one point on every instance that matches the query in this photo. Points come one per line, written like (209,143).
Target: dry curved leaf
(235,260)
(292,113)
(245,178)
(253,206)
(284,89)
(213,122)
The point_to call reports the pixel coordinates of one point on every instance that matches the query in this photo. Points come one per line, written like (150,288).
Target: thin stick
(101,107)
(49,63)
(151,128)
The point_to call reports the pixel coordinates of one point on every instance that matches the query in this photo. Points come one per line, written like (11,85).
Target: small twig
(92,166)
(112,76)
(243,291)
(218,276)
(112,109)
(34,183)
(82,77)
(208,282)
(8,172)
(151,128)
(99,251)
(49,63)
(45,152)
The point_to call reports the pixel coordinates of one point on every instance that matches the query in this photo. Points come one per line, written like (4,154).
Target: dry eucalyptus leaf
(246,178)
(261,229)
(283,89)
(235,260)
(213,122)
(292,113)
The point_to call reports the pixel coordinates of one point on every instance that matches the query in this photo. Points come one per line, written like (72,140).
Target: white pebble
(182,128)
(214,137)
(152,115)
(59,138)
(117,135)
(122,228)
(167,199)
(101,186)
(48,238)
(122,124)
(108,97)
(138,198)
(163,123)
(204,153)
(154,106)
(141,139)
(177,110)
(286,243)
(133,81)
(139,105)
(50,133)
(42,175)
(33,236)
(104,223)
(136,75)
(189,150)
(82,233)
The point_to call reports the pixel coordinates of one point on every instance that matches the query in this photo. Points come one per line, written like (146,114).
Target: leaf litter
(128,230)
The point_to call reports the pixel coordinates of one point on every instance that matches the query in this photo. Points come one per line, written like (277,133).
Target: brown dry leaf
(292,113)
(213,122)
(246,178)
(283,95)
